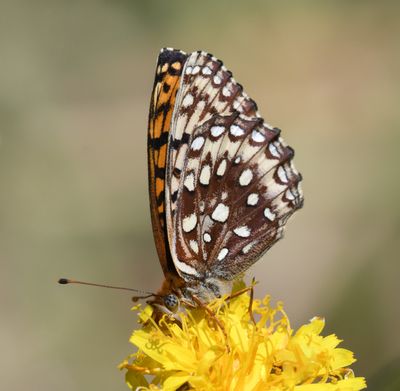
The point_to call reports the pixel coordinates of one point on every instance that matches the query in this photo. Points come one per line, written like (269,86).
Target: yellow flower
(228,348)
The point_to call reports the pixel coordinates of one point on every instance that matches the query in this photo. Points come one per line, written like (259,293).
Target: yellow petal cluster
(230,347)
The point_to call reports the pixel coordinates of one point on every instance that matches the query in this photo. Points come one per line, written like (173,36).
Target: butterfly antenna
(144,294)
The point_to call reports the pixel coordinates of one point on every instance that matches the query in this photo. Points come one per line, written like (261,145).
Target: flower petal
(222,348)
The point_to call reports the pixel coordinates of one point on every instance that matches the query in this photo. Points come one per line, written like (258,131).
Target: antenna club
(63,281)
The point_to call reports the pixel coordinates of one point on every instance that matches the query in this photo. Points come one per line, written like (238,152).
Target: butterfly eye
(171,302)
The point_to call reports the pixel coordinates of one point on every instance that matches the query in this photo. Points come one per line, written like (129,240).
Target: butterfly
(221,180)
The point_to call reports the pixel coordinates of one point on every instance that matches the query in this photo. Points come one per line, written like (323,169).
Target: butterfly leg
(253,282)
(244,290)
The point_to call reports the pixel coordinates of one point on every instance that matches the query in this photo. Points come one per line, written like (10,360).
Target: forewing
(230,184)
(168,75)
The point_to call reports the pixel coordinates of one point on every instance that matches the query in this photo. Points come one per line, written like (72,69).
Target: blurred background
(75,83)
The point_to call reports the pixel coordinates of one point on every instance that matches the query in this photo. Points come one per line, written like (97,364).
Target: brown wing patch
(240,184)
(167,80)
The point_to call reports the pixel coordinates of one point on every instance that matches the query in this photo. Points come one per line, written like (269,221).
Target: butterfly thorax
(177,293)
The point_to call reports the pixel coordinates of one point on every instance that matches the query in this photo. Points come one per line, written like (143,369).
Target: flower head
(230,346)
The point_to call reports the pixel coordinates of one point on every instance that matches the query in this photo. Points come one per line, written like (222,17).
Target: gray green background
(75,83)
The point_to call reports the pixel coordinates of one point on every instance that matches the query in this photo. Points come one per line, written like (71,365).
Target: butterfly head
(168,304)
(168,299)
(171,302)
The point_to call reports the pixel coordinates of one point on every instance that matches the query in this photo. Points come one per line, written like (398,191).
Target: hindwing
(229,184)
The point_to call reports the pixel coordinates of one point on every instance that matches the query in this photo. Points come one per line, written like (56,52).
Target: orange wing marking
(166,84)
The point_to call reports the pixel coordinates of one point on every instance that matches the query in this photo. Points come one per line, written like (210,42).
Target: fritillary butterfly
(221,180)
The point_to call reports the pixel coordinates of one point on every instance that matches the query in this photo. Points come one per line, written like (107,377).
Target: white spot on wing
(221,168)
(273,150)
(189,182)
(224,195)
(206,71)
(237,160)
(257,136)
(222,254)
(205,175)
(245,177)
(289,195)
(226,91)
(197,143)
(195,70)
(217,79)
(217,130)
(187,100)
(188,70)
(282,175)
(247,248)
(243,231)
(252,199)
(236,130)
(194,246)
(207,237)
(189,222)
(269,215)
(185,268)
(220,213)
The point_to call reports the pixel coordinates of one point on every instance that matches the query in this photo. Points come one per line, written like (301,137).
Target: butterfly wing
(168,75)
(230,183)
